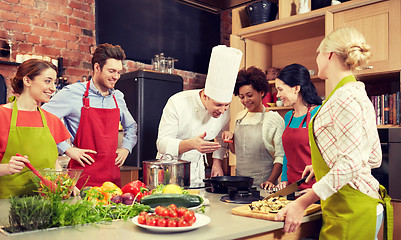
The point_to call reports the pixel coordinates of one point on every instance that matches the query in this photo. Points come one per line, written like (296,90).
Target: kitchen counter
(223,225)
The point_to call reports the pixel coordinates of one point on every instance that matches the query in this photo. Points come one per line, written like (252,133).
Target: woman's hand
(282,185)
(267,185)
(227,136)
(308,170)
(16,164)
(80,155)
(293,214)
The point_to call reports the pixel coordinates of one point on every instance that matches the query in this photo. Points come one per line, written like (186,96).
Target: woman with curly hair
(257,143)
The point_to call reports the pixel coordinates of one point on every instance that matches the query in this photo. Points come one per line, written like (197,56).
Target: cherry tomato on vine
(142,220)
(162,222)
(171,223)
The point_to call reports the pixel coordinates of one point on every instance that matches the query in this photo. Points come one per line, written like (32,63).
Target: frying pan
(222,183)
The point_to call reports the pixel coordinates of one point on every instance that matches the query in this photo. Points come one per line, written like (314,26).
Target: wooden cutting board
(245,211)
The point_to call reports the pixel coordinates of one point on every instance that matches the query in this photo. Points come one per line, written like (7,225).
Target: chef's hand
(203,146)
(308,170)
(16,164)
(267,185)
(282,185)
(80,155)
(122,154)
(227,136)
(217,170)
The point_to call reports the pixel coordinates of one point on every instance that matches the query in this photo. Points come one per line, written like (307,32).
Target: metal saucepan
(166,170)
(222,183)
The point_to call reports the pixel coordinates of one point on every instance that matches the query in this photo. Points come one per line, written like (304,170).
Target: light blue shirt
(67,105)
(296,121)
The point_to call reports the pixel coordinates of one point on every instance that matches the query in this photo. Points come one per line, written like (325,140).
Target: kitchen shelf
(388,126)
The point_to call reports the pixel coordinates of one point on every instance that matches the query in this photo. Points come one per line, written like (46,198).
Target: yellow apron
(35,142)
(348,214)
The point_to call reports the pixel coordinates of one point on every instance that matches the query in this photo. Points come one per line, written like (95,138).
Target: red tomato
(157,210)
(182,223)
(189,215)
(153,222)
(172,214)
(143,213)
(192,221)
(162,222)
(141,219)
(171,223)
(172,207)
(181,211)
(164,212)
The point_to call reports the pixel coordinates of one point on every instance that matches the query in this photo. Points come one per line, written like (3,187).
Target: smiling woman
(256,140)
(28,130)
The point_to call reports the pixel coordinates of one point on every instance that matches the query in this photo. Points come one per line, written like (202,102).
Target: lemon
(172,188)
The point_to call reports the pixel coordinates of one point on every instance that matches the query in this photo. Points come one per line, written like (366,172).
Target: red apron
(98,130)
(297,150)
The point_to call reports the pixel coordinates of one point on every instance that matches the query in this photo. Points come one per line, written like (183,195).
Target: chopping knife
(287,190)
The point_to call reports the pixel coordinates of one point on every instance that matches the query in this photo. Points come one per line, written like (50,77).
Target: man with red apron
(348,213)
(297,150)
(92,112)
(98,129)
(35,142)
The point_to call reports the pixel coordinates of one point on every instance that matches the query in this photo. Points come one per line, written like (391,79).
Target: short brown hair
(105,51)
(30,68)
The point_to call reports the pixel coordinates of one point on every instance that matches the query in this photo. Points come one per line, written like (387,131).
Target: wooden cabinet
(294,39)
(380,24)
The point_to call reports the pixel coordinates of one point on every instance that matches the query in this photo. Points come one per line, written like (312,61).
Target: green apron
(348,214)
(35,142)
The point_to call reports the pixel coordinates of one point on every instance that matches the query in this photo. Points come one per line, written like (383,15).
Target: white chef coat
(184,117)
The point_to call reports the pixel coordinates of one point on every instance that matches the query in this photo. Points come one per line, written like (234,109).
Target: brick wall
(66,28)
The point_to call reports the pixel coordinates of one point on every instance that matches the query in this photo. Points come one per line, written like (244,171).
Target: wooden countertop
(223,225)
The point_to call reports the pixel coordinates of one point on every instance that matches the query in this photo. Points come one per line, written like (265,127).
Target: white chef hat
(222,74)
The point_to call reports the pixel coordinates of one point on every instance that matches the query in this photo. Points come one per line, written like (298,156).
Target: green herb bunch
(35,212)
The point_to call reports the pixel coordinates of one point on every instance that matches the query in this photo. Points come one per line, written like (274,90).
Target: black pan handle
(210,181)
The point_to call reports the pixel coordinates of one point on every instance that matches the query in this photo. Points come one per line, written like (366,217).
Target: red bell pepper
(137,188)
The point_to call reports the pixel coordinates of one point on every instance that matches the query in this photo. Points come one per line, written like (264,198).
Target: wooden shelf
(388,126)
(296,27)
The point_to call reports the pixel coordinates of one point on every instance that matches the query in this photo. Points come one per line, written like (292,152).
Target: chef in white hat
(192,119)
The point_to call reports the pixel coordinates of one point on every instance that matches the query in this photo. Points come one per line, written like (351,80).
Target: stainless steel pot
(166,170)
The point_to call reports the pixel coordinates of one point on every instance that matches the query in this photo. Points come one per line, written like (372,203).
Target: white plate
(201,220)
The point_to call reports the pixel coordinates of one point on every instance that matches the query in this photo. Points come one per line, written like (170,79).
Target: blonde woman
(345,146)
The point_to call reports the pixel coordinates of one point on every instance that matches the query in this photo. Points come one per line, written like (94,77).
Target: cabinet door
(373,21)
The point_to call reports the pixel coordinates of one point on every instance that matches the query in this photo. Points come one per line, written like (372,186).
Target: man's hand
(203,146)
(122,154)
(217,170)
(80,155)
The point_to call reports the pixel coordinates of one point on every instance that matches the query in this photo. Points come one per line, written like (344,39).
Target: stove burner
(241,197)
